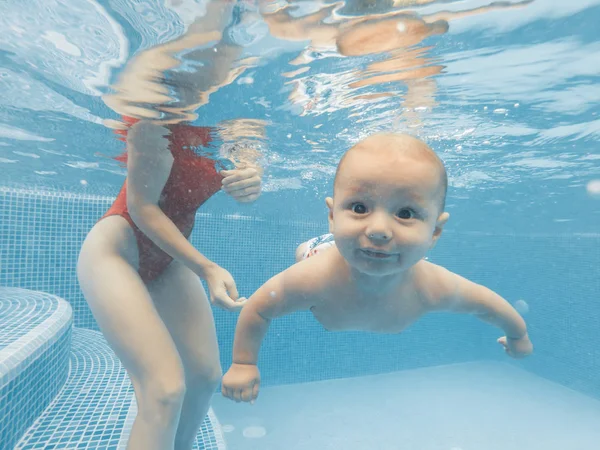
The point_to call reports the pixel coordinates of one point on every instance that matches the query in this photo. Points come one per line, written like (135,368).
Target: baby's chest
(386,317)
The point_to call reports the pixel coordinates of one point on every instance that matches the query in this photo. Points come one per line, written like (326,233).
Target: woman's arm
(149,165)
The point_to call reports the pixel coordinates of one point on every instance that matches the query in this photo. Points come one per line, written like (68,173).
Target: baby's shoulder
(312,274)
(435,284)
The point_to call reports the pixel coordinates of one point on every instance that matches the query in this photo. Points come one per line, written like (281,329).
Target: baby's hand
(517,348)
(241,383)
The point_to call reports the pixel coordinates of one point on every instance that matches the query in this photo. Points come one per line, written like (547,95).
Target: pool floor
(472,406)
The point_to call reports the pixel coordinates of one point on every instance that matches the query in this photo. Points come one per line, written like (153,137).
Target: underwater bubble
(593,188)
(521,306)
(516,105)
(254,432)
(83,182)
(500,110)
(245,80)
(273,294)
(227,428)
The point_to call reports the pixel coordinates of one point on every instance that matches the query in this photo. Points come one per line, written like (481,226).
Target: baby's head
(387,209)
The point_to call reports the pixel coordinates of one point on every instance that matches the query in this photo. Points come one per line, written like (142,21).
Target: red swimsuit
(192,181)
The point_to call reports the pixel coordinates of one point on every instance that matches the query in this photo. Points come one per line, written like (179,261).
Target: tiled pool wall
(555,274)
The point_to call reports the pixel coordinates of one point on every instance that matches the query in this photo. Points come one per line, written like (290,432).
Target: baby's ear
(329,203)
(439,226)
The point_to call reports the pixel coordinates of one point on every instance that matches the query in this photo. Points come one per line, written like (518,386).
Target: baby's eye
(406,213)
(359,208)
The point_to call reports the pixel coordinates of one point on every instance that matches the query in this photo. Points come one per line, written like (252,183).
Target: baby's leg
(301,251)
(184,308)
(314,246)
(130,323)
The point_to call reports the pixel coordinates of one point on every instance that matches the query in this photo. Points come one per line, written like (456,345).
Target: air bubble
(593,188)
(254,432)
(521,306)
(246,80)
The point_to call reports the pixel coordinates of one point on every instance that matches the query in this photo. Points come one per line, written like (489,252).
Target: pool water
(506,93)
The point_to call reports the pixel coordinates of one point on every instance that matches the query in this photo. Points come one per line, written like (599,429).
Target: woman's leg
(132,327)
(184,308)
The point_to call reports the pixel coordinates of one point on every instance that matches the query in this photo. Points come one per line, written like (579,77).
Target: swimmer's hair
(404,142)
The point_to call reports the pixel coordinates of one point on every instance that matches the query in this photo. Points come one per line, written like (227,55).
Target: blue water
(523,169)
(509,98)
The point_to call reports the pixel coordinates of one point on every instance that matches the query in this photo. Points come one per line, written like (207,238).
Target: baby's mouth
(376,254)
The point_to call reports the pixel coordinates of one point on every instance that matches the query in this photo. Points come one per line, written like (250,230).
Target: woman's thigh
(182,304)
(122,305)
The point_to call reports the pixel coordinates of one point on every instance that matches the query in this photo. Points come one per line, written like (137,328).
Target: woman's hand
(243,184)
(221,287)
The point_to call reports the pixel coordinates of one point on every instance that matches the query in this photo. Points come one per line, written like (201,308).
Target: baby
(387,211)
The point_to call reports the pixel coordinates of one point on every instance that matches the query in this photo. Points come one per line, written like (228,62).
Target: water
(511,105)
(506,93)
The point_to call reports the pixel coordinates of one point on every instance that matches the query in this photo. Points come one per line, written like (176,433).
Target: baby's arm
(490,307)
(281,295)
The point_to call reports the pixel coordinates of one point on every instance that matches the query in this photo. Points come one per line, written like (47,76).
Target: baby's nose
(379,236)
(379,230)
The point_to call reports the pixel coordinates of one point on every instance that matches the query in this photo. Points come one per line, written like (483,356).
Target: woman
(139,273)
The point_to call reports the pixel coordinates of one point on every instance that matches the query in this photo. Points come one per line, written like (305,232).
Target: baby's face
(385,211)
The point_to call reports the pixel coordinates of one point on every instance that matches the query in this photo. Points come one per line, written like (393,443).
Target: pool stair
(62,387)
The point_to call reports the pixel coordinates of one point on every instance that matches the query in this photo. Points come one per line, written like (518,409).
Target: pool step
(96,407)
(35,337)
(62,387)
